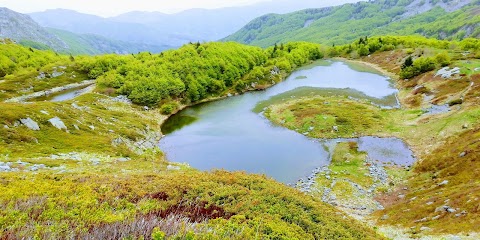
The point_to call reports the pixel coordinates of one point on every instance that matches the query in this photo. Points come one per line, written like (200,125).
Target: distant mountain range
(445,19)
(22,29)
(155,28)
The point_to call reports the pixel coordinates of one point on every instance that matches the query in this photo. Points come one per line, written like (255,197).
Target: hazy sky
(114,7)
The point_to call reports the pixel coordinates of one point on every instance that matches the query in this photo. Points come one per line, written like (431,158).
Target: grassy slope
(93,45)
(352,21)
(83,183)
(446,145)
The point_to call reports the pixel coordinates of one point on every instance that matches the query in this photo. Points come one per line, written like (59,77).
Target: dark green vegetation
(442,189)
(346,23)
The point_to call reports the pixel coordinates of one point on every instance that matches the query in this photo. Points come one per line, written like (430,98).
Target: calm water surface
(228,134)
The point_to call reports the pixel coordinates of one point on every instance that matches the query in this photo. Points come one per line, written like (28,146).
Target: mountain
(171,29)
(447,19)
(92,44)
(21,28)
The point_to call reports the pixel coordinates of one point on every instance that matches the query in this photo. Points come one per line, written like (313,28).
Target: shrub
(455,102)
(169,108)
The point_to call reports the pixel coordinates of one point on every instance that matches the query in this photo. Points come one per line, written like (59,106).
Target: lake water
(228,134)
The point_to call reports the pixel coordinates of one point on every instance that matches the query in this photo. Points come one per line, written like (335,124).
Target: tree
(408,62)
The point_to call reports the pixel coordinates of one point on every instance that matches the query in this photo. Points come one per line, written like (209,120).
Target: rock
(173,168)
(311,128)
(451,210)
(463,154)
(44,112)
(29,123)
(6,127)
(425,229)
(76,127)
(92,127)
(445,182)
(41,76)
(229,95)
(122,99)
(145,108)
(401,196)
(36,167)
(421,220)
(123,159)
(117,141)
(4,168)
(384,217)
(436,217)
(335,128)
(446,72)
(465,126)
(58,123)
(429,203)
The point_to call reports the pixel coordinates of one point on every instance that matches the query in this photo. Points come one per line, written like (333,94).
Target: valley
(352,132)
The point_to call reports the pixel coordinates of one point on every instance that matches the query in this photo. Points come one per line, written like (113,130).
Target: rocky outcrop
(58,123)
(29,123)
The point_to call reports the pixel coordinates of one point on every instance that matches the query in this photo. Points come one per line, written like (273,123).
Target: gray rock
(44,112)
(384,217)
(445,182)
(5,168)
(76,127)
(451,210)
(6,127)
(29,123)
(92,127)
(58,123)
(436,217)
(173,168)
(425,229)
(463,154)
(335,128)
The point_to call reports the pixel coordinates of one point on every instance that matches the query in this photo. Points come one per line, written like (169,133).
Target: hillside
(175,29)
(22,28)
(91,44)
(439,193)
(452,19)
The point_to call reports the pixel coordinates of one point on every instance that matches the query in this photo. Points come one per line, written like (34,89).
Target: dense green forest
(344,24)
(196,71)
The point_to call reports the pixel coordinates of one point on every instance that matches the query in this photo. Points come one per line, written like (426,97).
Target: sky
(108,8)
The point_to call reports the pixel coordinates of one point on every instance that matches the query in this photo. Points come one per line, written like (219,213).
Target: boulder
(58,123)
(29,123)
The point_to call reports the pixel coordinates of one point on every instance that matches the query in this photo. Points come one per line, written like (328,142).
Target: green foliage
(347,23)
(443,59)
(196,71)
(420,65)
(157,234)
(168,108)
